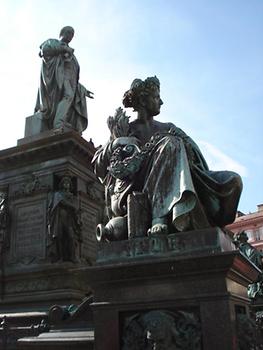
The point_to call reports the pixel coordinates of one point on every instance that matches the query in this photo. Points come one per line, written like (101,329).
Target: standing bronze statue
(254,290)
(241,242)
(61,98)
(162,162)
(64,223)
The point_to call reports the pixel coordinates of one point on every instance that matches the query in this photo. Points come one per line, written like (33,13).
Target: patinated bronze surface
(255,290)
(254,255)
(161,161)
(61,98)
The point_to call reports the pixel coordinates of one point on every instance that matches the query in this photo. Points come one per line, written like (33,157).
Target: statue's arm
(54,47)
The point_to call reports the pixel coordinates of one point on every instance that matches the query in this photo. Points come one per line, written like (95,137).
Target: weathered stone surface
(28,241)
(89,218)
(71,328)
(69,340)
(31,173)
(161,329)
(211,286)
(201,242)
(20,324)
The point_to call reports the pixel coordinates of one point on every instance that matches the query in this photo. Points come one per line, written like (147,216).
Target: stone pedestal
(198,285)
(32,276)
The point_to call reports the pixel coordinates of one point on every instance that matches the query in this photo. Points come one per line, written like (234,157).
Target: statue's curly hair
(139,88)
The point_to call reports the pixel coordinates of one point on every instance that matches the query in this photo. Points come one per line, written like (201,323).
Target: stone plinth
(32,274)
(38,287)
(203,292)
(66,340)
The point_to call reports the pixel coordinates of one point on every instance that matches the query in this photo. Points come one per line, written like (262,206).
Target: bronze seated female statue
(160,161)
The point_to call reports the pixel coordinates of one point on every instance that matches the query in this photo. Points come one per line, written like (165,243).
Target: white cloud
(217,160)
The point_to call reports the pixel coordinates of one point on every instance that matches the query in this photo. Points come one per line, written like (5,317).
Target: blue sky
(207,54)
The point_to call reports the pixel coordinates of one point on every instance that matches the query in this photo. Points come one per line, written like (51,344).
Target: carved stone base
(196,296)
(42,286)
(199,242)
(37,258)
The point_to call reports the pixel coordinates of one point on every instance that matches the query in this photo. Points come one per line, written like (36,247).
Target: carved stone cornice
(48,148)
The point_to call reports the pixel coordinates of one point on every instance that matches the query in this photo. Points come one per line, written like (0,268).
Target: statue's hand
(89,94)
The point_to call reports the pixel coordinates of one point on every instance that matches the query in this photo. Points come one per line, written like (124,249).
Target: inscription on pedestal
(89,222)
(206,241)
(30,230)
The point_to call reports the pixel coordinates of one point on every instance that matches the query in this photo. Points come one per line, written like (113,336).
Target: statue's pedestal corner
(180,278)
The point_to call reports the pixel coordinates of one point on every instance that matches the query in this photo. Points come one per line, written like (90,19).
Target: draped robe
(56,69)
(176,179)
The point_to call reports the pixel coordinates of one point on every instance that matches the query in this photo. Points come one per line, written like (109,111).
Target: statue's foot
(159,226)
